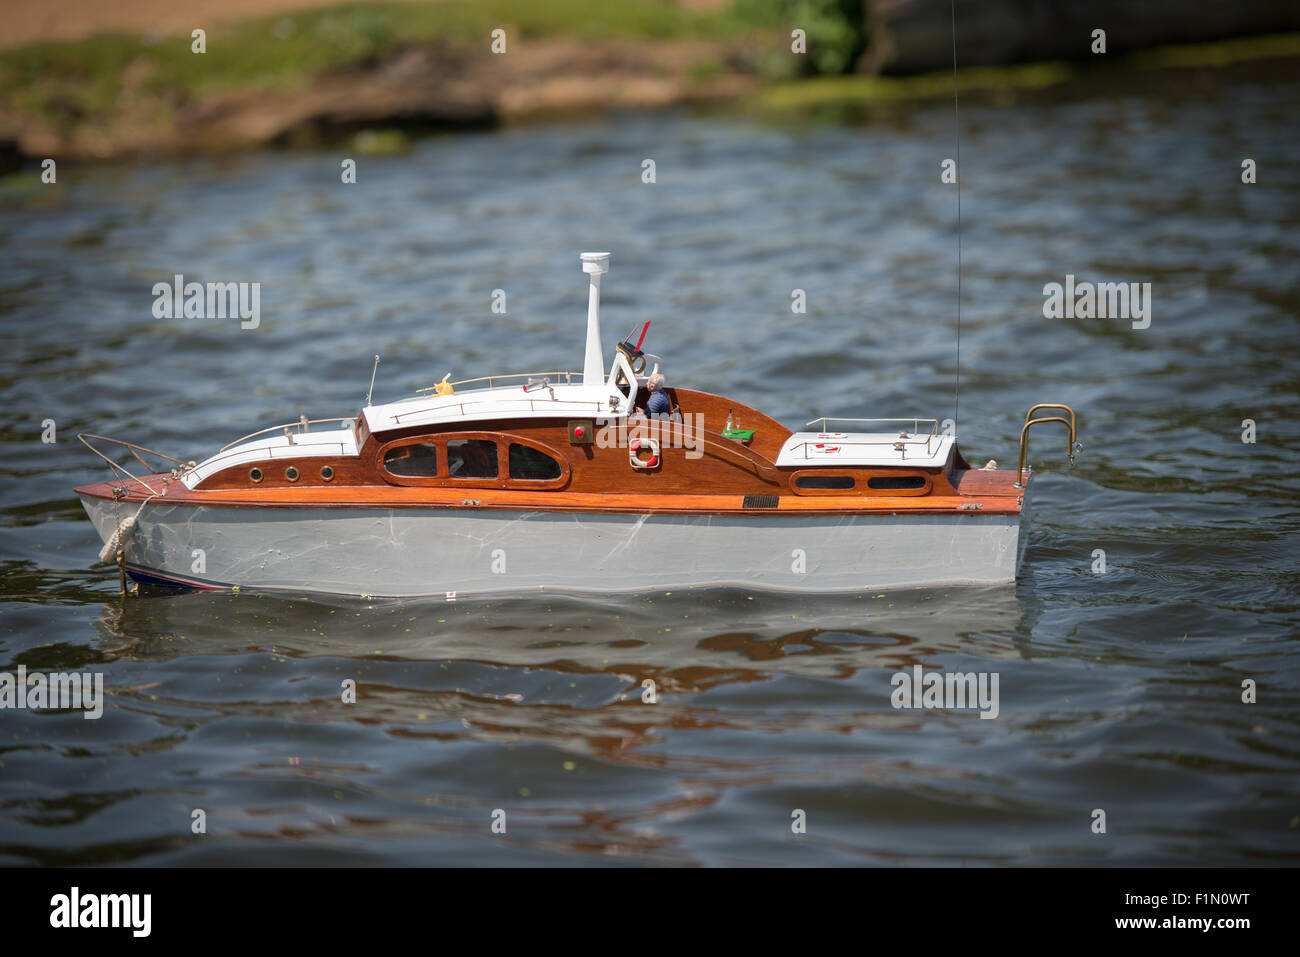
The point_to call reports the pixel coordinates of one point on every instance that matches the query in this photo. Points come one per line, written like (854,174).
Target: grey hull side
(416,553)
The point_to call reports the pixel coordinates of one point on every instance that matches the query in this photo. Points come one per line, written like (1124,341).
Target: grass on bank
(834,90)
(854,90)
(70,80)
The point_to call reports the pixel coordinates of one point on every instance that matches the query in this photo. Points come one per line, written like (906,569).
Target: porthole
(255,475)
(291,474)
(825,482)
(327,472)
(883,482)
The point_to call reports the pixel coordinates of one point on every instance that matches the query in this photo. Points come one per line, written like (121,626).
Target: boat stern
(1022,533)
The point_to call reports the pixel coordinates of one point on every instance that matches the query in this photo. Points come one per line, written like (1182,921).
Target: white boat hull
(407,552)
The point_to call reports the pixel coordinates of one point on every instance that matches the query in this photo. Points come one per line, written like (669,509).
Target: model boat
(569,482)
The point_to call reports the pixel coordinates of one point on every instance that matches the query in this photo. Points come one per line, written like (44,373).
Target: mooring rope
(118,539)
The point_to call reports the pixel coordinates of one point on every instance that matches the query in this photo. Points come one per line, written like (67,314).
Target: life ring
(635,445)
(823,449)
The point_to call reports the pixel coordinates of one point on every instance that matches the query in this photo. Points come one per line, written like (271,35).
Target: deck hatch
(761,501)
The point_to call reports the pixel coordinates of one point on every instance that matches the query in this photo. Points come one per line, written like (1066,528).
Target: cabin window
(527,462)
(472,458)
(838,482)
(895,482)
(419,460)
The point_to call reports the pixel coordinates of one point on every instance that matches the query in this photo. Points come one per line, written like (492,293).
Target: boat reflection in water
(543,707)
(575,653)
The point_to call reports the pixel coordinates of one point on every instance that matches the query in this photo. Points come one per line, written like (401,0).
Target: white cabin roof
(336,442)
(811,449)
(502,402)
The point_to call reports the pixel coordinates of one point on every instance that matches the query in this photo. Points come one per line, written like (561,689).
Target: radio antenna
(371,390)
(956,114)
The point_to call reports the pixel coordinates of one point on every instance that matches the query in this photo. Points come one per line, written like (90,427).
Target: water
(1120,691)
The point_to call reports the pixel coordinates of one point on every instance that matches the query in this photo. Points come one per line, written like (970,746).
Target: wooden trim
(764,469)
(769,434)
(724,467)
(348,470)
(997,497)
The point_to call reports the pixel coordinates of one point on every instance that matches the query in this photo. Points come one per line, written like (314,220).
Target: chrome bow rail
(136,451)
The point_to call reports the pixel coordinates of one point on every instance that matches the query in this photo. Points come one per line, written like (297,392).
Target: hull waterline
(409,553)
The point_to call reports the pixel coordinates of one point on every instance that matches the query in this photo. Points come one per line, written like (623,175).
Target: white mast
(593,368)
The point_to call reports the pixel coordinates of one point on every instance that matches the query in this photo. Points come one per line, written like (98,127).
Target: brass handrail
(1071,447)
(1049,405)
